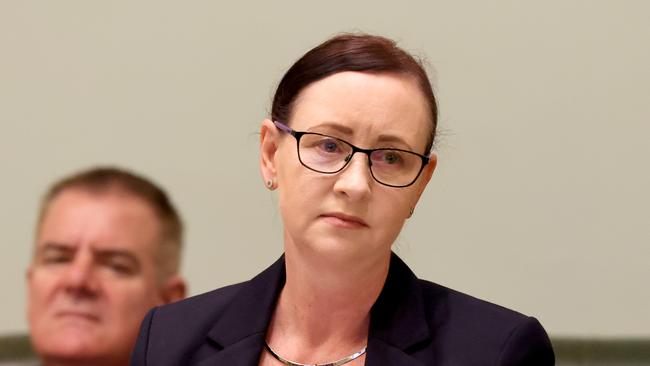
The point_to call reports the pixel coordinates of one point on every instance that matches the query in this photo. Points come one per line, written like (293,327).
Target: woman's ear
(269,138)
(424,179)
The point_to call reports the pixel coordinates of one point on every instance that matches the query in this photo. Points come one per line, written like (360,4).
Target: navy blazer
(413,322)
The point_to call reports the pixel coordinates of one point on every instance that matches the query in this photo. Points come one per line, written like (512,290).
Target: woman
(348,148)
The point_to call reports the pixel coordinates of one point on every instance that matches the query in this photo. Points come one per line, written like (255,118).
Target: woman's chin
(339,250)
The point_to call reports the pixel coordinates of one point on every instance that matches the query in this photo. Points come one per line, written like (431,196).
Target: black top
(413,322)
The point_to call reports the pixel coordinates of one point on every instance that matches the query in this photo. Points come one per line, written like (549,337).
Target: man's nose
(80,277)
(355,179)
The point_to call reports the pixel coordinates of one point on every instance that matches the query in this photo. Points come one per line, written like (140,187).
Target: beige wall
(541,199)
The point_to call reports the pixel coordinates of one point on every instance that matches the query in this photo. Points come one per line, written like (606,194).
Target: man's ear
(269,138)
(29,273)
(173,289)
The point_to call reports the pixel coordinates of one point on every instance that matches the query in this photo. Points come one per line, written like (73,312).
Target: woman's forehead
(373,107)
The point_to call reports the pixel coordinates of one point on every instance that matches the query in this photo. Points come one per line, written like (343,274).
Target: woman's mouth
(344,221)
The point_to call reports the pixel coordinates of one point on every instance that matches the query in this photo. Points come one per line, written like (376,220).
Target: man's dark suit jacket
(413,322)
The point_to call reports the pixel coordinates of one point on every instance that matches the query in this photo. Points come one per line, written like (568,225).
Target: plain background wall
(540,201)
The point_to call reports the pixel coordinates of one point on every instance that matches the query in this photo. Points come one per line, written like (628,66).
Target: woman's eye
(391,158)
(329,145)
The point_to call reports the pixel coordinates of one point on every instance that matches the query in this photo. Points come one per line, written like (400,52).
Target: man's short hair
(113,180)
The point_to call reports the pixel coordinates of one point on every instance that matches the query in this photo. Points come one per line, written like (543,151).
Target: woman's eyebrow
(335,126)
(393,139)
(384,138)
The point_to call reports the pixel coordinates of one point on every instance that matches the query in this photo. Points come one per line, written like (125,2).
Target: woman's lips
(344,221)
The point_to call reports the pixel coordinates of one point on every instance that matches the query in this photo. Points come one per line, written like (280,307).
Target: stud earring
(270,184)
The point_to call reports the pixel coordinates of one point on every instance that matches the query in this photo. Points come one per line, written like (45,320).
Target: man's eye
(119,267)
(55,259)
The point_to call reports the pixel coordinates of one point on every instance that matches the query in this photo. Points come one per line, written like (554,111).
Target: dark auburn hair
(111,180)
(351,52)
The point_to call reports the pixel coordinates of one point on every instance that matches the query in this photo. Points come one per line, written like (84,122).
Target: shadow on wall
(568,351)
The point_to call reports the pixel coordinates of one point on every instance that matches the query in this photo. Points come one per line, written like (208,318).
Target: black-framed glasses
(329,155)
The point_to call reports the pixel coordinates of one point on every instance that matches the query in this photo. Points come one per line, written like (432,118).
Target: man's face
(93,276)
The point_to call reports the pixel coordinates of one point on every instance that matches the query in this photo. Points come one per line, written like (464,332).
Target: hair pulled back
(351,52)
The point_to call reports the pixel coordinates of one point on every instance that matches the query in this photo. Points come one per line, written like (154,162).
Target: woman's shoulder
(195,314)
(190,330)
(453,303)
(170,331)
(462,321)
(443,326)
(444,306)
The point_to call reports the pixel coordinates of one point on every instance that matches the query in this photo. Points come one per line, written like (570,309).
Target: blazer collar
(397,323)
(398,316)
(252,307)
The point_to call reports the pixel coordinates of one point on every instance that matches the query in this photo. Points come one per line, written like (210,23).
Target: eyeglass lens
(327,154)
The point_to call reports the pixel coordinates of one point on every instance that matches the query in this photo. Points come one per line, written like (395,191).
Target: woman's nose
(355,179)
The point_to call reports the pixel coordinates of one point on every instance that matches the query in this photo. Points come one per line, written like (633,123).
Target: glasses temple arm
(282,127)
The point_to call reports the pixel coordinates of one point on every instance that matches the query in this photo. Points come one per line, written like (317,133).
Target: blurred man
(107,249)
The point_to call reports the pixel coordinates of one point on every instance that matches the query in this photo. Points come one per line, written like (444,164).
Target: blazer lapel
(245,352)
(238,335)
(398,325)
(381,353)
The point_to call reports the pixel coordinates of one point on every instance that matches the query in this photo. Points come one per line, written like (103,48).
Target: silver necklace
(342,361)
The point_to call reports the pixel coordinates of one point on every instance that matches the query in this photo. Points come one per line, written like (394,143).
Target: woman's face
(348,215)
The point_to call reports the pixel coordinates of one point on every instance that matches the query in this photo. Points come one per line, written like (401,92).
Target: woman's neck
(325,305)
